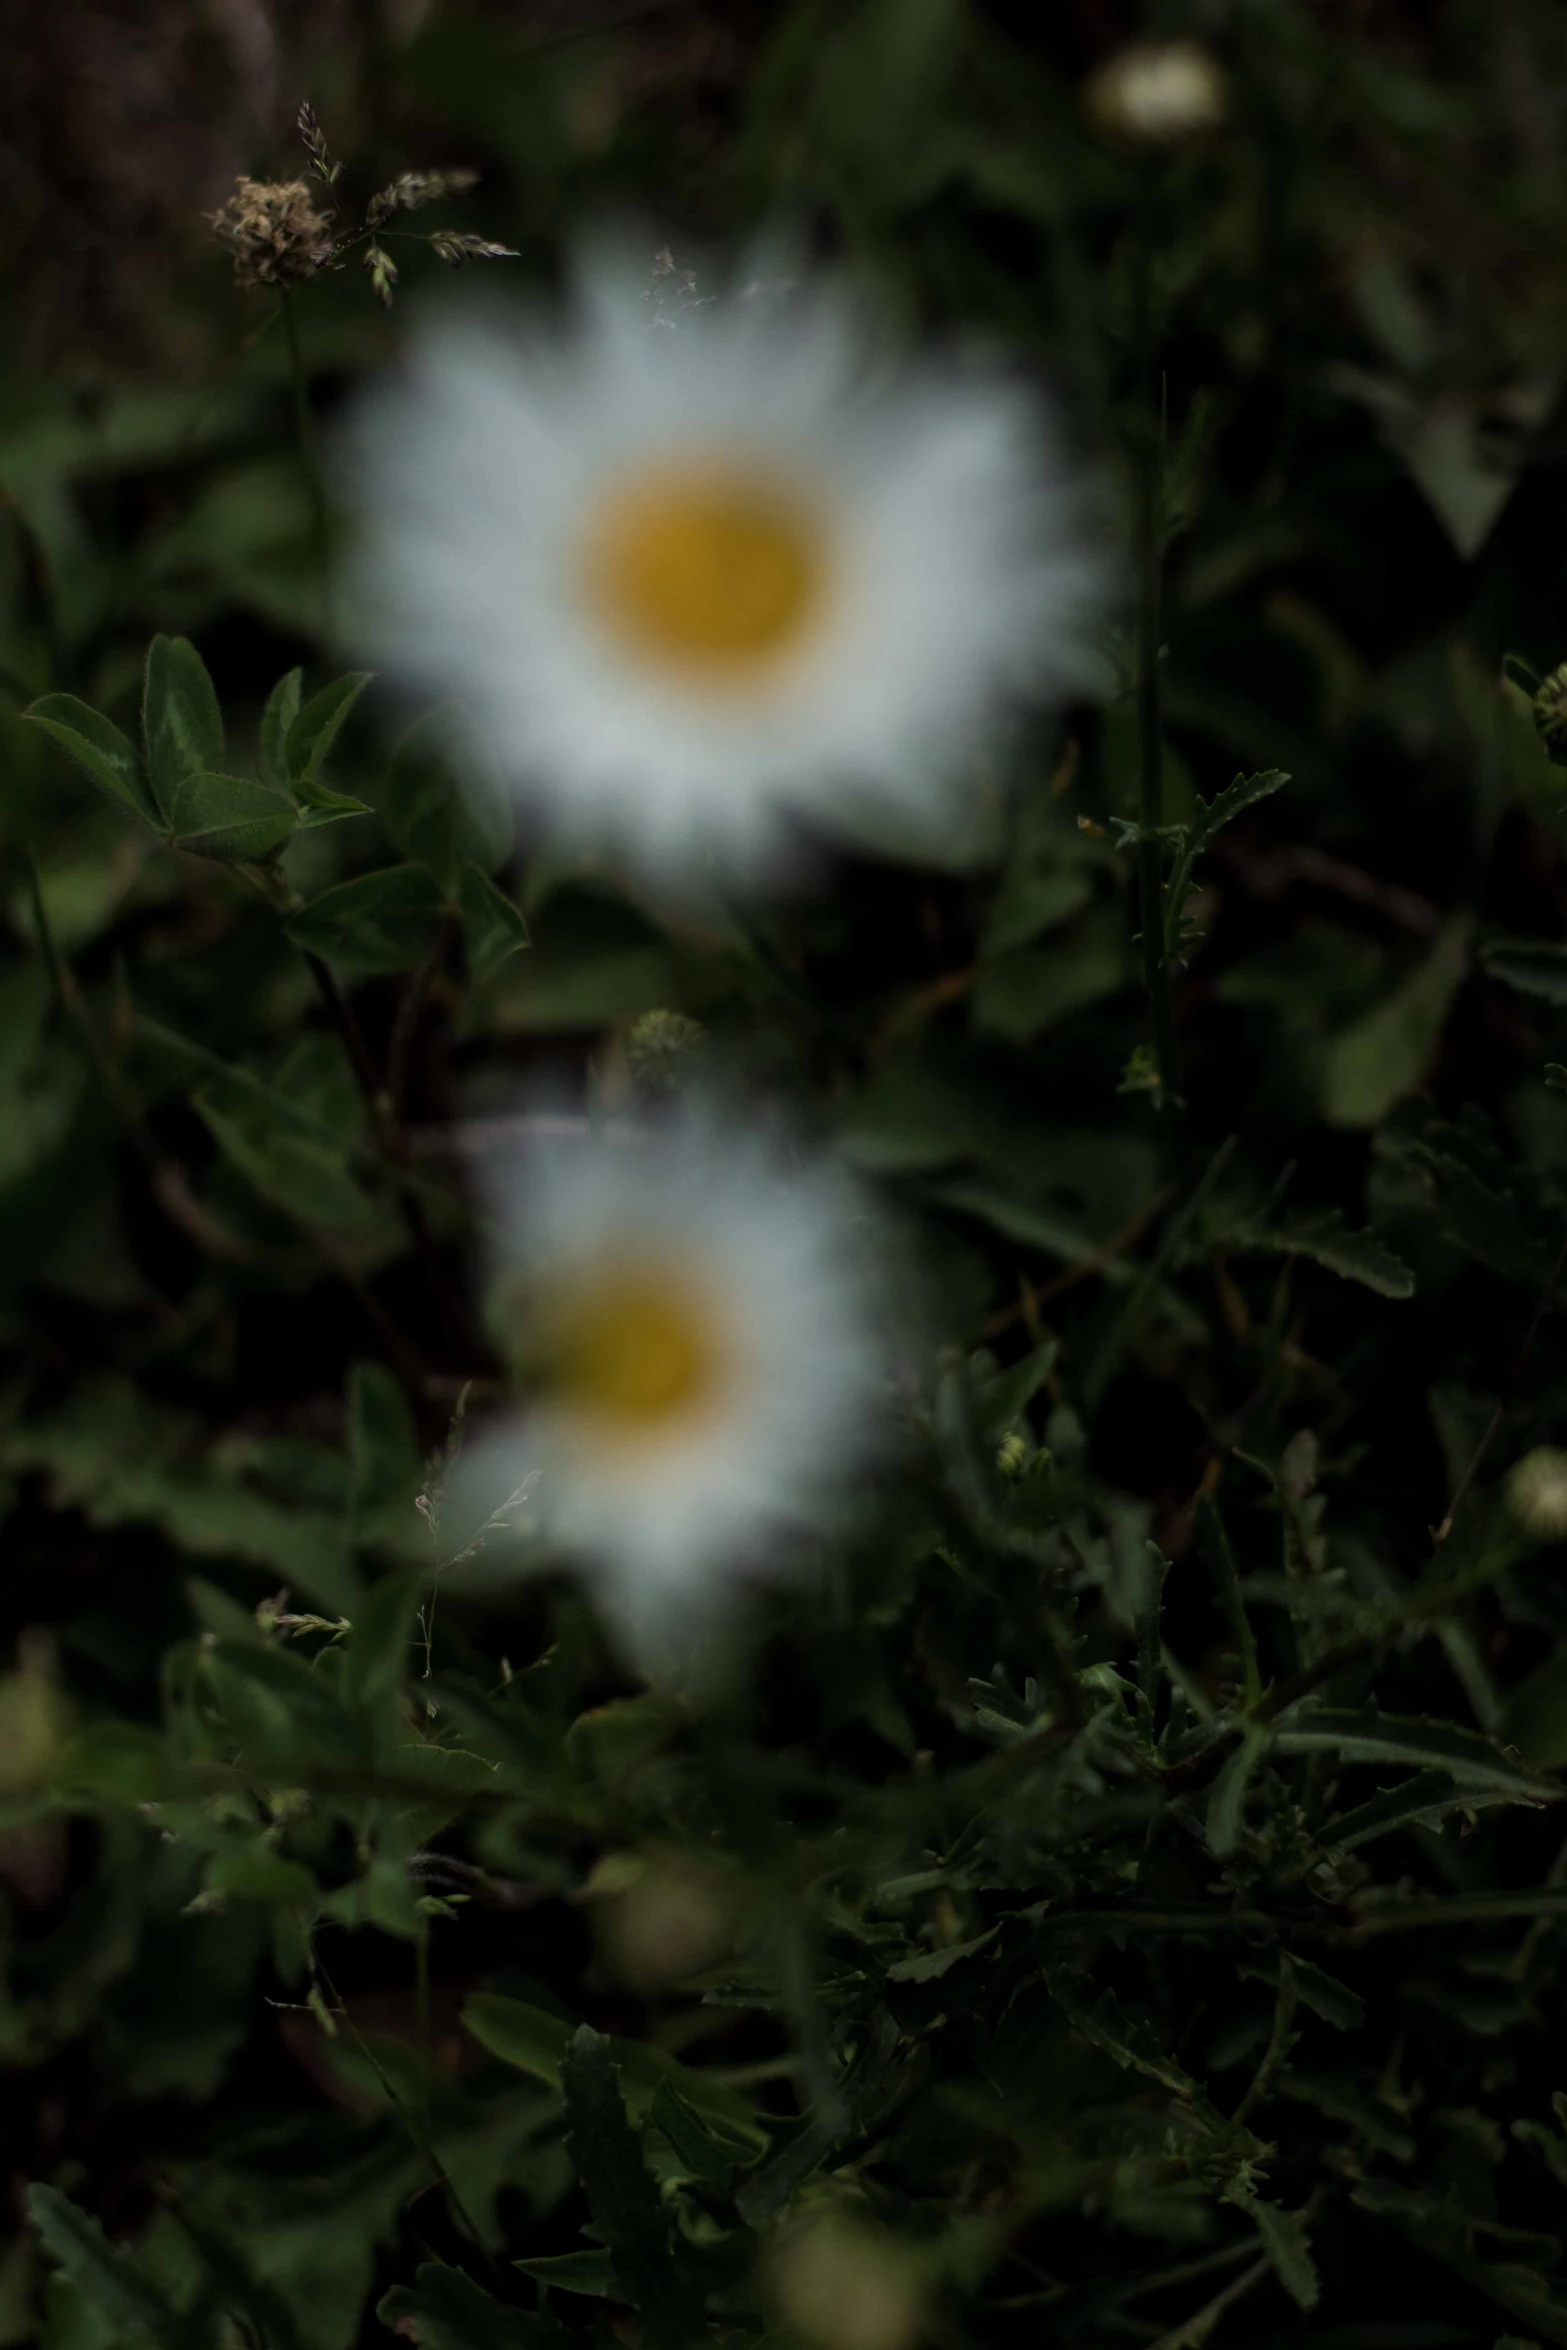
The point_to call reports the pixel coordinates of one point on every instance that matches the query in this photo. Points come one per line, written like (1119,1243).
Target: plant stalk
(309,453)
(1148,459)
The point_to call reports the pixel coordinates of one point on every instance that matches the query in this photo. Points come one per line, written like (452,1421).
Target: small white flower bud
(843,2285)
(1158,93)
(1537,1492)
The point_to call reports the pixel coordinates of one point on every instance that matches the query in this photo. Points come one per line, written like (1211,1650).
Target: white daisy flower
(693,1323)
(692,584)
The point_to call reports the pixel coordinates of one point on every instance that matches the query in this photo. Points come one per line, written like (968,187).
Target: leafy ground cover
(1122,1892)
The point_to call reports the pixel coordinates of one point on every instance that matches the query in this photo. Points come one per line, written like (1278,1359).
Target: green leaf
(528,2037)
(621,2195)
(444,2310)
(1535,1718)
(1029,989)
(227,817)
(252,1872)
(108,2278)
(1030,902)
(1054,1233)
(380,922)
(307,1178)
(1535,966)
(590,2272)
(928,1966)
(181,719)
(1003,1399)
(1346,2098)
(375,1662)
(1469,1759)
(535,2042)
(1426,1800)
(1243,792)
(320,806)
(1327,1997)
(383,1451)
(493,929)
(1221,1565)
(277,1707)
(97,746)
(276,719)
(1328,1241)
(702,2154)
(432,818)
(1212,816)
(1098,2016)
(312,732)
(1383,1056)
(1285,2241)
(1227,1799)
(117,1764)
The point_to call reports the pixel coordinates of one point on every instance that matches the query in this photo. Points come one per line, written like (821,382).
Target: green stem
(309,453)
(1148,453)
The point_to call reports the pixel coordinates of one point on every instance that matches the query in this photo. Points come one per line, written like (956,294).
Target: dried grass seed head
(274,232)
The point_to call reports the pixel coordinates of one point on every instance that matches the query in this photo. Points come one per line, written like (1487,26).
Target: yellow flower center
(633,1352)
(707,569)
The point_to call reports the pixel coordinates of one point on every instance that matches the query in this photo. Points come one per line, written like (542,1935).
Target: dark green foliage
(1124,1875)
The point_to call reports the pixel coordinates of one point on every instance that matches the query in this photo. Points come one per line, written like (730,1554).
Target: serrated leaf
(226,817)
(378,923)
(1241,793)
(276,719)
(1535,966)
(100,749)
(493,928)
(1328,1241)
(111,2281)
(315,728)
(621,2195)
(1285,2241)
(181,719)
(1099,2018)
(1426,1800)
(1469,1759)
(1245,791)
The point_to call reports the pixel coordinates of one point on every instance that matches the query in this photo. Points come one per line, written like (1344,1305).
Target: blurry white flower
(1157,93)
(692,1322)
(690,584)
(843,2284)
(1537,1491)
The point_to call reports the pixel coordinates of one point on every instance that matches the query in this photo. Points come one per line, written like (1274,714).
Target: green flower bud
(1012,1456)
(662,1048)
